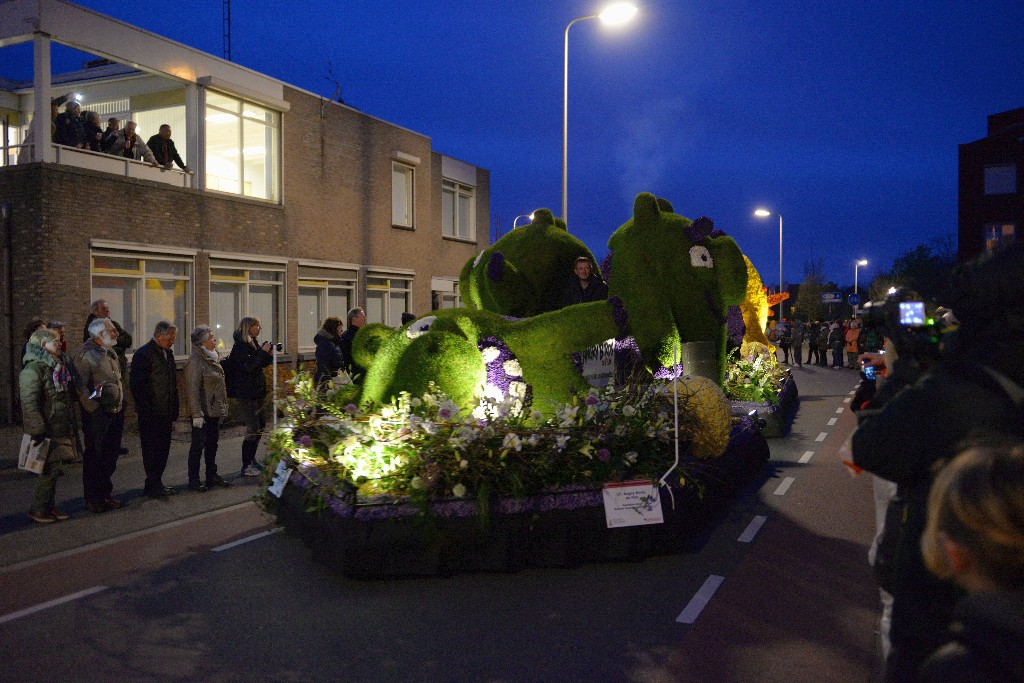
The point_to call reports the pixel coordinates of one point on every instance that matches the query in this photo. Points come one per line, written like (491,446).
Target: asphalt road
(789,596)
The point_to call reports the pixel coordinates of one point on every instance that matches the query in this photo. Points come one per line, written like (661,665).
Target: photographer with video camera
(912,426)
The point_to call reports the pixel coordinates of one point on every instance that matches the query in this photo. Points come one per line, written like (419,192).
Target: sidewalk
(22,540)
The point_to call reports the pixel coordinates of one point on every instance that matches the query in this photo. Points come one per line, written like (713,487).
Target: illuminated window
(999,233)
(239,289)
(387,298)
(1001,179)
(323,292)
(243,147)
(142,289)
(458,210)
(402,195)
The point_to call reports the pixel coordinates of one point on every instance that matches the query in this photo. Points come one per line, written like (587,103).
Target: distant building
(992,186)
(298,207)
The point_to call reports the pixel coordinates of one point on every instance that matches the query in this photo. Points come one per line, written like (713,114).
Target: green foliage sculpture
(523,273)
(672,282)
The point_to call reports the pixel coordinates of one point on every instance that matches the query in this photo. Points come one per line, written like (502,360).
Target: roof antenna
(227,29)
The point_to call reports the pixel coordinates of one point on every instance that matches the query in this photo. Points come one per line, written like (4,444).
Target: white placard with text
(281,475)
(631,503)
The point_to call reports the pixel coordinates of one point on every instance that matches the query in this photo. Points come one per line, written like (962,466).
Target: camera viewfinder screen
(912,313)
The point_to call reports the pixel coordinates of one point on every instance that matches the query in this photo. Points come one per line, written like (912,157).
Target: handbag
(32,456)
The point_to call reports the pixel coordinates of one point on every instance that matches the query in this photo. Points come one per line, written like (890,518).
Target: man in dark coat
(585,285)
(70,126)
(356,319)
(162,147)
(154,386)
(329,356)
(904,438)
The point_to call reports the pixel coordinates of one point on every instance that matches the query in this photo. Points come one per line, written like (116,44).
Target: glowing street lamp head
(762,213)
(862,262)
(617,13)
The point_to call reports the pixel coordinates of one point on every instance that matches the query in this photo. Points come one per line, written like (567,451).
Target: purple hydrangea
(604,455)
(305,441)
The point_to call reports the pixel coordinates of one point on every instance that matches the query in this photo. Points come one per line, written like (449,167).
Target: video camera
(912,332)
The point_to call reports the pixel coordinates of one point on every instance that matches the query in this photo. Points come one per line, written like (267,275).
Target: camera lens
(279,346)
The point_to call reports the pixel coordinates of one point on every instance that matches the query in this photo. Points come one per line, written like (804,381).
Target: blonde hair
(40,337)
(244,325)
(977,500)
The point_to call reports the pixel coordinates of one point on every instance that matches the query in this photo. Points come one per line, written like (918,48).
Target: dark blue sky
(843,116)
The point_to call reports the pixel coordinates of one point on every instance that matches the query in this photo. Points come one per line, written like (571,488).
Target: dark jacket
(93,137)
(164,151)
(248,368)
(70,130)
(986,642)
(329,356)
(573,293)
(921,425)
(354,370)
(154,383)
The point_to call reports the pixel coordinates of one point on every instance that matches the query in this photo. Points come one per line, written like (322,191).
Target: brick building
(297,207)
(991,198)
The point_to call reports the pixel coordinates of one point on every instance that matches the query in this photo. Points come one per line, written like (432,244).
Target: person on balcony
(129,145)
(113,125)
(93,132)
(70,126)
(164,150)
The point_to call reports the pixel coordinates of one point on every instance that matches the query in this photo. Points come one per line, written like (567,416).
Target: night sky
(843,116)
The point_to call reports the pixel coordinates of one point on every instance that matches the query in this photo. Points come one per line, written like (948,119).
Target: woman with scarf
(208,403)
(45,387)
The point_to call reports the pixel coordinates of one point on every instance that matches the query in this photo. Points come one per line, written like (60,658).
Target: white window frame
(246,277)
(325,281)
(272,165)
(388,284)
(456,226)
(141,324)
(403,195)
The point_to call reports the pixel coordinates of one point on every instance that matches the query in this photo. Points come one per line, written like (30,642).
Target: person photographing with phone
(248,358)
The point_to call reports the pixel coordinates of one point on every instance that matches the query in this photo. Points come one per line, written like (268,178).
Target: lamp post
(522,215)
(764,213)
(617,13)
(856,265)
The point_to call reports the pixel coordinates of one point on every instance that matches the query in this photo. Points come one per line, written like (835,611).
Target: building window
(387,298)
(243,147)
(458,210)
(1001,179)
(402,195)
(323,293)
(999,233)
(239,289)
(142,289)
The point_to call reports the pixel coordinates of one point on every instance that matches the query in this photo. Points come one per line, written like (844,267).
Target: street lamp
(764,213)
(617,13)
(516,219)
(856,265)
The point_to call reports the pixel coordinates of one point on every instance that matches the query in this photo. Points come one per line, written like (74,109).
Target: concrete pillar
(193,145)
(43,150)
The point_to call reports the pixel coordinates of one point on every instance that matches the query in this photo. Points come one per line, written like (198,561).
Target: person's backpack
(230,367)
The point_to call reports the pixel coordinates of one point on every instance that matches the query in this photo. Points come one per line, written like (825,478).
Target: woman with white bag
(45,386)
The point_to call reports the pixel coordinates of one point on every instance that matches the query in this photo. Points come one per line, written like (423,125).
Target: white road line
(51,603)
(832,421)
(839,410)
(699,601)
(852,393)
(806,457)
(821,437)
(228,546)
(784,486)
(846,400)
(755,525)
(125,537)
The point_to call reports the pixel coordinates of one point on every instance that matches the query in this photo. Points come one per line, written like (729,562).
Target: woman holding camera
(251,387)
(208,402)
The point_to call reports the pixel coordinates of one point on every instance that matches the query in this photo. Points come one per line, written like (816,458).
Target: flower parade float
(475,441)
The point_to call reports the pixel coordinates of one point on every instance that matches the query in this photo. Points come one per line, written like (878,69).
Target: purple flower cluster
(619,316)
(736,327)
(497,375)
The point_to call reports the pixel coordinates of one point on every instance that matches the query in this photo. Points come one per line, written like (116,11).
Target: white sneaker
(251,471)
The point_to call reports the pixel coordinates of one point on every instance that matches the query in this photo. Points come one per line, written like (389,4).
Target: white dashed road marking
(806,457)
(51,603)
(699,601)
(839,410)
(821,437)
(755,525)
(832,421)
(254,537)
(784,486)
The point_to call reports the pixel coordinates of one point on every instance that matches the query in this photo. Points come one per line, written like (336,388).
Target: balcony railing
(97,161)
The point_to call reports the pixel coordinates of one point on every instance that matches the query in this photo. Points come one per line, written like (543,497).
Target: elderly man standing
(102,397)
(162,147)
(154,385)
(123,342)
(127,143)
